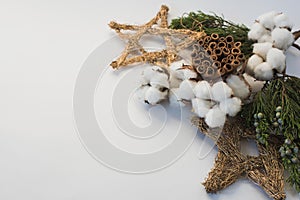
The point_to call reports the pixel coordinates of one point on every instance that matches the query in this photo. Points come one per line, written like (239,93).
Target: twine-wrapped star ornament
(135,53)
(231,164)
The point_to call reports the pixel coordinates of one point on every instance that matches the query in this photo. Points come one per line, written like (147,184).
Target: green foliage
(279,102)
(215,24)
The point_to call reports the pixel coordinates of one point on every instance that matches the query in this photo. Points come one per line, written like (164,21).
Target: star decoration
(265,170)
(134,52)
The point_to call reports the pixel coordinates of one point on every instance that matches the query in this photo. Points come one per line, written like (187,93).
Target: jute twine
(264,170)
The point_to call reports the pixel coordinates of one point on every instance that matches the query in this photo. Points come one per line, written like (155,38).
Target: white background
(42,47)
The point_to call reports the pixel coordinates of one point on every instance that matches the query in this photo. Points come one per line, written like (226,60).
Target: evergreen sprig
(278,105)
(212,23)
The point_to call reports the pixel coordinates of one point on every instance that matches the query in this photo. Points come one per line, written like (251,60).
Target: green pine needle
(281,93)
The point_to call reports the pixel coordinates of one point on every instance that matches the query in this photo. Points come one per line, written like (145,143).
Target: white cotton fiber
(276,58)
(221,91)
(185,73)
(174,99)
(257,31)
(282,21)
(253,61)
(154,96)
(202,90)
(174,81)
(262,49)
(141,91)
(255,85)
(159,80)
(263,71)
(149,72)
(239,87)
(231,106)
(186,89)
(215,117)
(282,38)
(267,20)
(265,38)
(176,65)
(201,107)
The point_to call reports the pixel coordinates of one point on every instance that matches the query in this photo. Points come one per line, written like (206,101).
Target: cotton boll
(262,49)
(176,65)
(282,38)
(231,106)
(159,80)
(255,85)
(282,21)
(265,38)
(253,61)
(174,99)
(221,91)
(174,81)
(154,96)
(257,31)
(201,107)
(202,90)
(186,90)
(215,117)
(239,87)
(276,58)
(185,73)
(267,20)
(149,72)
(141,91)
(263,71)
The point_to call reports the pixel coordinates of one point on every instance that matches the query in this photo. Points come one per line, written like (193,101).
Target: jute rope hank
(264,170)
(134,52)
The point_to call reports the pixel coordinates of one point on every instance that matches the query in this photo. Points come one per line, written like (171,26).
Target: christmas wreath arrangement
(235,80)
